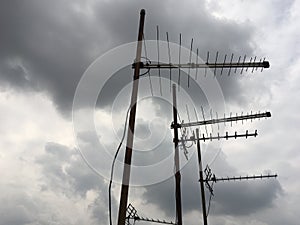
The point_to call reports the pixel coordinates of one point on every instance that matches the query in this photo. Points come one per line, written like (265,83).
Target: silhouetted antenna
(226,119)
(214,65)
(216,179)
(211,178)
(132,217)
(195,137)
(219,137)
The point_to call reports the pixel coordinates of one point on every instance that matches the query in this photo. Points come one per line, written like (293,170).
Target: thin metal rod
(190,62)
(176,159)
(223,120)
(169,54)
(240,178)
(197,58)
(158,63)
(201,179)
(179,58)
(130,133)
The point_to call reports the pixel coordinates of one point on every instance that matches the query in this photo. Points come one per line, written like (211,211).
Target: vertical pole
(130,133)
(201,179)
(176,159)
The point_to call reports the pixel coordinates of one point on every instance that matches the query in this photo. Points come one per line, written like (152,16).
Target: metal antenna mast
(176,159)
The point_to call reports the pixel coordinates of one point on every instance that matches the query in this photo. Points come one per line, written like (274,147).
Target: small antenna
(133,216)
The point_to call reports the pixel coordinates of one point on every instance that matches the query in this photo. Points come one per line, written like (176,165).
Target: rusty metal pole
(130,133)
(176,158)
(201,179)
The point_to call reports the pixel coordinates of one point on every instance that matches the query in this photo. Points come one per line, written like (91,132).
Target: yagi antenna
(226,119)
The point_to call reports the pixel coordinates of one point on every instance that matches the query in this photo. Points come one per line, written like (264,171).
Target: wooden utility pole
(130,133)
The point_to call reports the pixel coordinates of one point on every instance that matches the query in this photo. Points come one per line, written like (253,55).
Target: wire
(113,165)
(209,202)
(148,62)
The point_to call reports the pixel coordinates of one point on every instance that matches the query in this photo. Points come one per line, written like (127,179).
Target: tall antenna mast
(130,133)
(177,167)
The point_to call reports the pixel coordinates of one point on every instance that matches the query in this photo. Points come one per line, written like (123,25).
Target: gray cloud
(47,46)
(64,171)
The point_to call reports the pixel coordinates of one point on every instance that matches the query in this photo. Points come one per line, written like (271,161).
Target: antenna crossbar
(263,64)
(218,137)
(215,179)
(224,120)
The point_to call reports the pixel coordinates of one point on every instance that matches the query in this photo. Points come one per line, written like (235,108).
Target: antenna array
(225,65)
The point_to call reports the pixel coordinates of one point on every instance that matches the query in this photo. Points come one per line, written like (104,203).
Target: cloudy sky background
(45,48)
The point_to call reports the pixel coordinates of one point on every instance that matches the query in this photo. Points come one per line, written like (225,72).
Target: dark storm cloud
(46,46)
(51,41)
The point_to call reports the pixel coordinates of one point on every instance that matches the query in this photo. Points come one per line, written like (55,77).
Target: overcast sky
(55,156)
